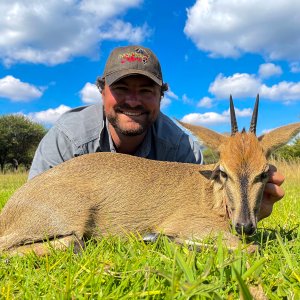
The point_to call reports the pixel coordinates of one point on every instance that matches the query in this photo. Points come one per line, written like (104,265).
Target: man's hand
(272,193)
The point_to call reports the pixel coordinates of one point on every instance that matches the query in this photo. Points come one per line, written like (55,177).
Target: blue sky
(51,53)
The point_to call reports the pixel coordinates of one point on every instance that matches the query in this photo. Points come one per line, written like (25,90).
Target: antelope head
(242,170)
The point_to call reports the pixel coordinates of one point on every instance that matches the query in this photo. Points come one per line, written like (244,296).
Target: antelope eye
(264,175)
(223,174)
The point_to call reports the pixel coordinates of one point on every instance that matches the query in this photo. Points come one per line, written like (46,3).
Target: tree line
(290,151)
(19,138)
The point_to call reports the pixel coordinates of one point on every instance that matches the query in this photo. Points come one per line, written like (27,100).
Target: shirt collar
(105,141)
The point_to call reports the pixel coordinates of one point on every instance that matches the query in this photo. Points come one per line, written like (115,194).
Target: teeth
(127,113)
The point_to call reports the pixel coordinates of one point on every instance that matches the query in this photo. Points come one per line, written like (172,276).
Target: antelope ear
(209,137)
(208,174)
(278,137)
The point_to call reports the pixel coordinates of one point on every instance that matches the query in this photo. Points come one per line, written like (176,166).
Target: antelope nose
(247,229)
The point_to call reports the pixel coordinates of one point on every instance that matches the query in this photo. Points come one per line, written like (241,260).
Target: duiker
(105,193)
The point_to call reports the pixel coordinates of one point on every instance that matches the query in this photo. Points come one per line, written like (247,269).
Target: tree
(290,151)
(19,138)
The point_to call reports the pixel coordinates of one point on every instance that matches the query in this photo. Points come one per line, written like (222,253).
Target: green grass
(112,268)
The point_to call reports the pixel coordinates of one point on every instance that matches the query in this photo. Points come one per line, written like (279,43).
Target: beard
(130,128)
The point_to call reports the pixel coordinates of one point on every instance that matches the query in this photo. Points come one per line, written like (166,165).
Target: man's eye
(146,90)
(120,88)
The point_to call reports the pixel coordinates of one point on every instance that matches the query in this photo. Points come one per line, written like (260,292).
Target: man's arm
(190,150)
(53,149)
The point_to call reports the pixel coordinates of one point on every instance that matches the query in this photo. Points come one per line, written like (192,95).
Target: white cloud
(167,99)
(50,115)
(229,28)
(171,94)
(106,9)
(246,112)
(90,94)
(267,70)
(120,30)
(14,89)
(295,67)
(53,32)
(186,99)
(209,118)
(283,91)
(238,85)
(246,85)
(264,131)
(205,102)
(165,102)
(213,118)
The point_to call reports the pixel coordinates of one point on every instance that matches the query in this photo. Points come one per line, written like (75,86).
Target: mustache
(139,108)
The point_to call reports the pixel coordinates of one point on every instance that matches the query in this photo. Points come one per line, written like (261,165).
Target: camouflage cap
(132,60)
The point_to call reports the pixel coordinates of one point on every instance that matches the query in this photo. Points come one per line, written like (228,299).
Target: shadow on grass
(265,235)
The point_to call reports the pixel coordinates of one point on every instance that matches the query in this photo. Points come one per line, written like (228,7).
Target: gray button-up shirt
(84,130)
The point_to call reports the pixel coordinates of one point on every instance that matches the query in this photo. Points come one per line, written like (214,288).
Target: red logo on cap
(138,55)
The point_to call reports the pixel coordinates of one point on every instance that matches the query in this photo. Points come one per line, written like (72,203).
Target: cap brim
(113,77)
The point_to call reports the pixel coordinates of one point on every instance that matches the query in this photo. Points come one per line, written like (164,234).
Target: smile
(132,114)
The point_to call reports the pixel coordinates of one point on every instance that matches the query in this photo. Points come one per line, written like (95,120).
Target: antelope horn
(234,127)
(254,116)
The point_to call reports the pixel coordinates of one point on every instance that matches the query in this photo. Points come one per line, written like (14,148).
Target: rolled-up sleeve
(189,150)
(53,149)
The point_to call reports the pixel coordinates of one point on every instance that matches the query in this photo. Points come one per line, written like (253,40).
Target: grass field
(129,269)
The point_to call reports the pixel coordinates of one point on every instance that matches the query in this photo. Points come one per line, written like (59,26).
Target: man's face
(132,104)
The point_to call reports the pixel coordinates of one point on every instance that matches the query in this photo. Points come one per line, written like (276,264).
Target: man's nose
(133,99)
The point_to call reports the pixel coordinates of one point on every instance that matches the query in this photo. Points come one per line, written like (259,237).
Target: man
(129,121)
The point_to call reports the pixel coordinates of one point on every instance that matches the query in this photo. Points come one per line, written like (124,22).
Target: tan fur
(105,193)
(242,156)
